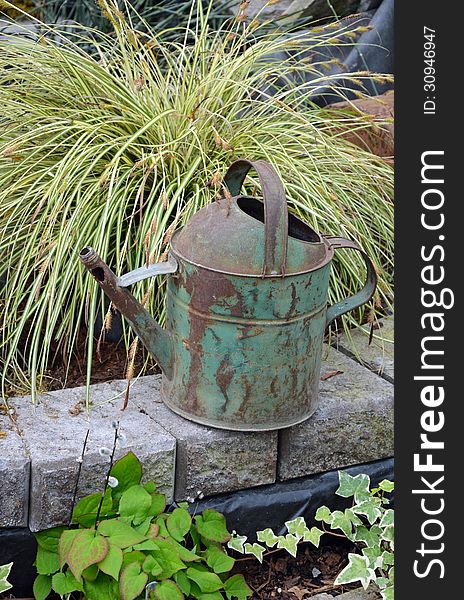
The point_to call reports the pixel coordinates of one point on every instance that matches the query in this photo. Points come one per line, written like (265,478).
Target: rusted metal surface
(246,310)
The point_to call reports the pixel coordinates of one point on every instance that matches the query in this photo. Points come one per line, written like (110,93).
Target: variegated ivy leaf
(388,518)
(382,582)
(374,556)
(370,536)
(268,537)
(256,549)
(324,514)
(357,486)
(289,543)
(369,507)
(388,593)
(313,535)
(357,569)
(387,486)
(388,534)
(297,527)
(345,521)
(388,559)
(236,543)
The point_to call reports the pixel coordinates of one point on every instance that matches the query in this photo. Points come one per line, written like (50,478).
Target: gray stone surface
(311,9)
(209,460)
(353,424)
(358,594)
(54,439)
(378,356)
(14,476)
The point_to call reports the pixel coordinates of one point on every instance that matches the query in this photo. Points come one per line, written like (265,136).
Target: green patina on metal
(246,309)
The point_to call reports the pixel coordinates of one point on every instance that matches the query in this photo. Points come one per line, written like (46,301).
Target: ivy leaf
(324,514)
(388,534)
(370,508)
(178,523)
(132,581)
(168,590)
(85,511)
(206,581)
(374,555)
(119,534)
(219,561)
(47,562)
(357,569)
(65,583)
(342,520)
(236,543)
(388,518)
(211,524)
(128,471)
(313,535)
(64,544)
(297,527)
(357,486)
(111,564)
(87,548)
(369,535)
(236,587)
(289,543)
(183,582)
(388,593)
(135,504)
(49,539)
(41,588)
(267,536)
(387,486)
(388,559)
(256,550)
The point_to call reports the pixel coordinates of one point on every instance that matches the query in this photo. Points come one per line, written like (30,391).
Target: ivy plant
(123,545)
(4,573)
(369,524)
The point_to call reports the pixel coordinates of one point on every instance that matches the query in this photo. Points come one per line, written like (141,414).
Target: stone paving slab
(353,424)
(14,476)
(209,461)
(358,594)
(54,440)
(377,356)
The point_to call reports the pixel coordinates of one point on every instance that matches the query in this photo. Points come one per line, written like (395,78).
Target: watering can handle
(364,295)
(275,210)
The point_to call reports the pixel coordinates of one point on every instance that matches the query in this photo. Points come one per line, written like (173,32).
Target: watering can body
(246,309)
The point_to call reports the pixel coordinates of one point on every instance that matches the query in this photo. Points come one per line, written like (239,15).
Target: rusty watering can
(246,309)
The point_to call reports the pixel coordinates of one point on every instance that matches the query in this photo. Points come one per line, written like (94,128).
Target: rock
(360,594)
(54,440)
(14,476)
(353,424)
(210,461)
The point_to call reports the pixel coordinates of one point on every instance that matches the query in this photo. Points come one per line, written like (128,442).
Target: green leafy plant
(4,573)
(116,145)
(123,540)
(369,524)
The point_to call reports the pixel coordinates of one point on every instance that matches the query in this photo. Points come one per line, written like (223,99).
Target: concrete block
(54,436)
(353,424)
(14,476)
(209,460)
(377,356)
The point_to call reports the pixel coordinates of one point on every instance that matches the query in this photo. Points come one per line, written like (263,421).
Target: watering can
(246,308)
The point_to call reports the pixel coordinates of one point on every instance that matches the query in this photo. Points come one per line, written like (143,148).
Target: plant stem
(116,435)
(81,460)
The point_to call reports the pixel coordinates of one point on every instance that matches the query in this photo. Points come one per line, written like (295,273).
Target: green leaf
(374,555)
(90,573)
(388,559)
(357,569)
(388,518)
(168,590)
(85,511)
(178,523)
(358,486)
(206,581)
(324,514)
(119,534)
(135,504)
(236,587)
(267,536)
(212,596)
(369,535)
(132,582)
(184,553)
(163,530)
(211,524)
(144,526)
(256,550)
(150,487)
(183,582)
(168,559)
(388,534)
(47,562)
(49,538)
(314,536)
(152,566)
(129,557)
(42,587)
(387,486)
(236,543)
(219,561)
(158,504)
(87,548)
(65,583)
(111,564)
(342,520)
(388,593)
(103,588)
(64,544)
(128,471)
(146,545)
(289,543)
(371,508)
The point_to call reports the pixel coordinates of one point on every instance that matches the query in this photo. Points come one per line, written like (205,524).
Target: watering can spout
(156,339)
